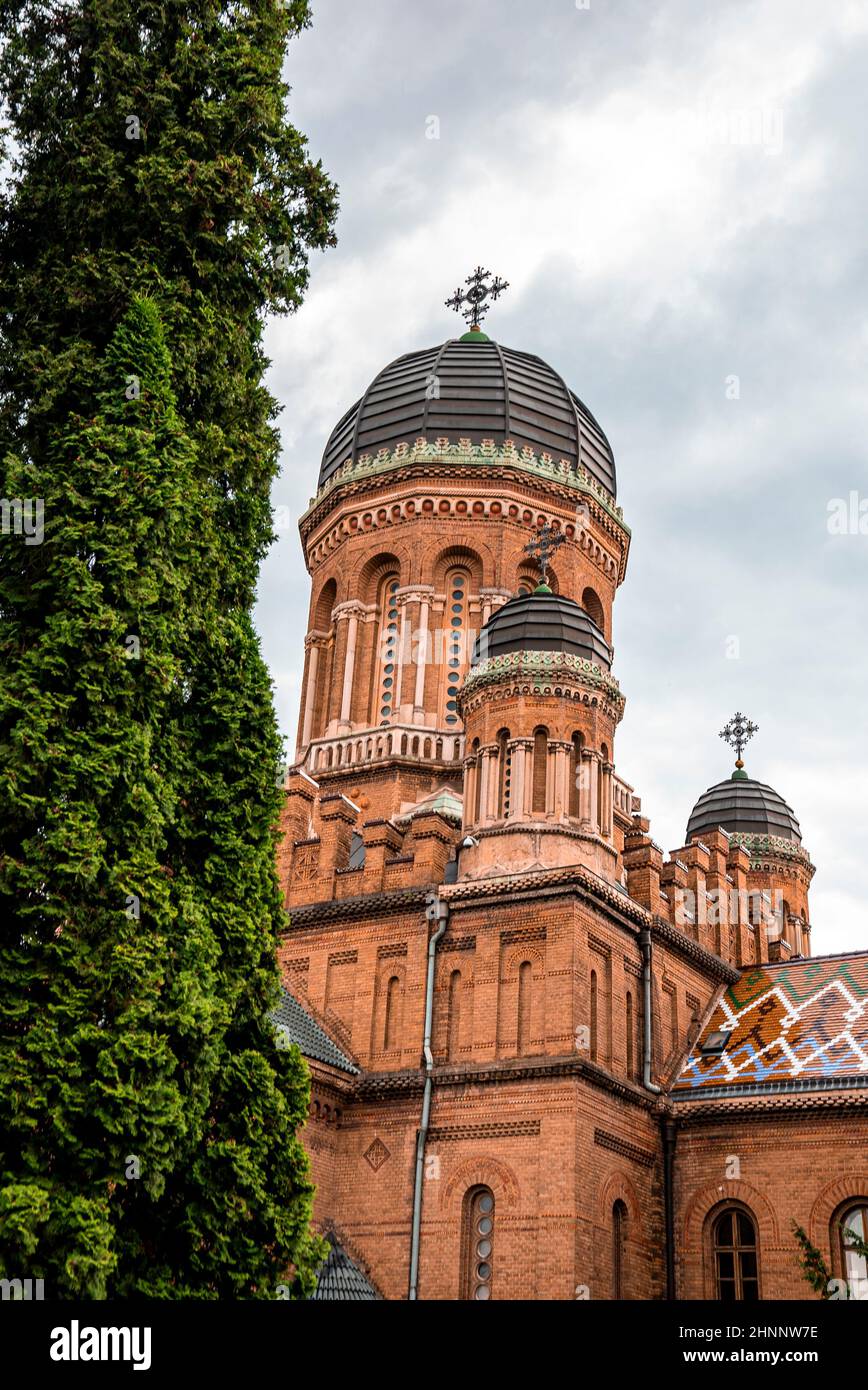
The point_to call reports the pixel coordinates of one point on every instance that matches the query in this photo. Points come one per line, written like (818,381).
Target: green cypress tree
(154,158)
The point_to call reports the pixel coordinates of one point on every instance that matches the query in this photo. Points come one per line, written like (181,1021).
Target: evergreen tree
(137,738)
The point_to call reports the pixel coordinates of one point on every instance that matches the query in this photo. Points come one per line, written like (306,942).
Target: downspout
(435,911)
(645,947)
(667,1124)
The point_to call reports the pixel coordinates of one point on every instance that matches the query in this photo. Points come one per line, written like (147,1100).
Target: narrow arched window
(504,772)
(456,614)
(357,851)
(453,1027)
(393,1000)
(540,756)
(525,991)
(619,1248)
(629,1033)
(594,608)
(575,775)
(854,1223)
(593,1015)
(478,1241)
(735,1257)
(386,693)
(477,782)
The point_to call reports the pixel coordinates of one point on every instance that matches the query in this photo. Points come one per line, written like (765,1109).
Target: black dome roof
(741,804)
(543,623)
(485,392)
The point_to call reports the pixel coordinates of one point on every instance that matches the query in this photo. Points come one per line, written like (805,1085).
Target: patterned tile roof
(791,1026)
(341,1280)
(295,1025)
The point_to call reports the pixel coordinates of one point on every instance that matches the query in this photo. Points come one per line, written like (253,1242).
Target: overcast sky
(677,194)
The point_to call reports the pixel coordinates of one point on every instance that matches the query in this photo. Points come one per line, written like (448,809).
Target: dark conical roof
(741,804)
(543,622)
(471,388)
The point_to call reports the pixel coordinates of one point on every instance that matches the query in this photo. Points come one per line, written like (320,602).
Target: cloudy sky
(678,196)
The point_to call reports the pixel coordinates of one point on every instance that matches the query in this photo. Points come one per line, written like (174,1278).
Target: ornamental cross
(477,296)
(738,732)
(546,542)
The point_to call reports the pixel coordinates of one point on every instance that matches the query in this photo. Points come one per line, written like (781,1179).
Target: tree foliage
(147,1117)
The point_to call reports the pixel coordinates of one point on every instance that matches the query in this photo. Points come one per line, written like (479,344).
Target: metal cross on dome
(546,542)
(737,733)
(476,297)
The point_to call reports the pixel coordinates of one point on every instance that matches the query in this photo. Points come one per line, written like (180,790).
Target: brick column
(471,773)
(488,802)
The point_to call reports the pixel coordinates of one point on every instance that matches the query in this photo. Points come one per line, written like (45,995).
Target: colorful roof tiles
(794,1025)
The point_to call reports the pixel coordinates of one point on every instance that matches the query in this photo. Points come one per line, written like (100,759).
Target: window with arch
(735,1257)
(854,1222)
(619,1248)
(593,1015)
(576,744)
(477,783)
(478,1244)
(504,773)
(357,851)
(391,1034)
(387,694)
(525,1001)
(593,607)
(540,758)
(456,613)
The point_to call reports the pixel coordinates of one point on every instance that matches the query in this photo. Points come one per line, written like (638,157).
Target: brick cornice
(361,905)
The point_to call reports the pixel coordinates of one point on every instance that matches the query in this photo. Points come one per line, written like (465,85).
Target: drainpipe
(435,911)
(645,947)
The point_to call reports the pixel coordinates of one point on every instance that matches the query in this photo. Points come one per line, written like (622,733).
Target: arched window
(456,612)
(735,1257)
(477,1254)
(575,774)
(357,851)
(629,1034)
(453,1027)
(525,994)
(594,608)
(854,1222)
(540,756)
(477,782)
(593,1015)
(386,694)
(393,1003)
(619,1248)
(504,769)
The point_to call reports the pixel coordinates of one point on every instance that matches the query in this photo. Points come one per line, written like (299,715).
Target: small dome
(471,388)
(543,622)
(741,804)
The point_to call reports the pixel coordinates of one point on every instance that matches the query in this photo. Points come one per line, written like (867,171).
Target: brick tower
(512,1004)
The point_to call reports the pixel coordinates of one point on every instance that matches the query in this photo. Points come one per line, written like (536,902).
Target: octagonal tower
(430,489)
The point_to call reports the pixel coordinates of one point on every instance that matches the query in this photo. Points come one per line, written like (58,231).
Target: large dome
(742,805)
(485,392)
(543,622)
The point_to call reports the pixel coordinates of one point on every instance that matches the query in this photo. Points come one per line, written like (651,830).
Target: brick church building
(548,1062)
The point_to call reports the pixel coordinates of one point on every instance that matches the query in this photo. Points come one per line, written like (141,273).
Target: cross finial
(476,296)
(545,542)
(737,733)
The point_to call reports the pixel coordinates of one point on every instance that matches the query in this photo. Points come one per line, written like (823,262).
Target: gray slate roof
(295,1025)
(340,1278)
